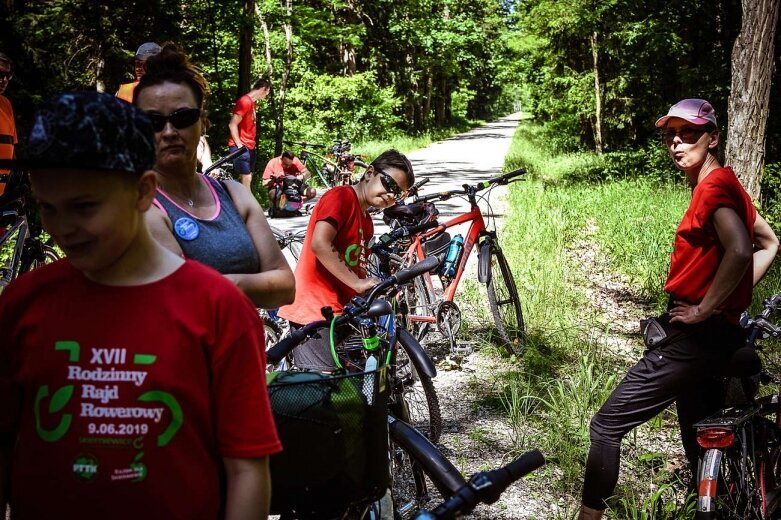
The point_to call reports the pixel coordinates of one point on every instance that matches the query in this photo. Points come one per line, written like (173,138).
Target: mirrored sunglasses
(389,183)
(181,118)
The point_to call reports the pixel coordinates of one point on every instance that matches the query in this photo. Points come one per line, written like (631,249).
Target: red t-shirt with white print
(125,399)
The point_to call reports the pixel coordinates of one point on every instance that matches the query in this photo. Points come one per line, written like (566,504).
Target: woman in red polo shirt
(723,247)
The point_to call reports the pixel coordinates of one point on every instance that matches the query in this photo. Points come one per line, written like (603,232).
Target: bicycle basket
(334,432)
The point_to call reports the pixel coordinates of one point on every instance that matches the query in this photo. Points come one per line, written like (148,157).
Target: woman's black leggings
(685,370)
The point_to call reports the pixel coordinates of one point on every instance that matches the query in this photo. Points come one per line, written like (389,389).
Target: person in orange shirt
(7,124)
(143,53)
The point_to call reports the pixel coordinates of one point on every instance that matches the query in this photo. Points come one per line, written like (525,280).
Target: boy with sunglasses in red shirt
(331,269)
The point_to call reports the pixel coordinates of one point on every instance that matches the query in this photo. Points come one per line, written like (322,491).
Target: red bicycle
(421,305)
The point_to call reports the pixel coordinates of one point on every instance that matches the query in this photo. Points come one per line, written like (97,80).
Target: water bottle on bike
(449,266)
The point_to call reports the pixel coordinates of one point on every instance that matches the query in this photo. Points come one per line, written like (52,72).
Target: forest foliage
(371,69)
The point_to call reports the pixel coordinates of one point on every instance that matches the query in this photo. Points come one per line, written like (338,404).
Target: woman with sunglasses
(331,268)
(219,224)
(722,248)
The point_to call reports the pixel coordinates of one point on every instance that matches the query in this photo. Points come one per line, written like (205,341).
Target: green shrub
(771,194)
(321,108)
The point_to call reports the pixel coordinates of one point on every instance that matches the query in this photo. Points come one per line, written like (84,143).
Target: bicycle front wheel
(505,305)
(418,392)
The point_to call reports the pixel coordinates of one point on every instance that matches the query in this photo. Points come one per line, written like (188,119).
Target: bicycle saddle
(409,214)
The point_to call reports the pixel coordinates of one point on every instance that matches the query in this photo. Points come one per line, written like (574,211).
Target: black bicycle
(415,462)
(334,166)
(484,488)
(740,464)
(21,247)
(222,169)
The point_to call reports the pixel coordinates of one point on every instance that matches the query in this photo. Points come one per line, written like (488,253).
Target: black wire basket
(334,433)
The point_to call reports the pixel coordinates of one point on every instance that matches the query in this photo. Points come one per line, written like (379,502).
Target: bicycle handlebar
(485,487)
(304,144)
(229,157)
(405,231)
(359,306)
(501,179)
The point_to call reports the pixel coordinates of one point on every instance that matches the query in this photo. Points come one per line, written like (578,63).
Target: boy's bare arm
(323,237)
(249,488)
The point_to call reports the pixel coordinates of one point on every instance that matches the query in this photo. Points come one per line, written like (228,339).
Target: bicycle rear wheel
(505,305)
(739,492)
(417,303)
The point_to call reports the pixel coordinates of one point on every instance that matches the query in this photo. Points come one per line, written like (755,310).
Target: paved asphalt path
(466,158)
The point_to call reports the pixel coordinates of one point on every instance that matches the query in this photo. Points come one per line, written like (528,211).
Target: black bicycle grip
(507,176)
(275,354)
(229,157)
(424,266)
(518,468)
(415,187)
(405,231)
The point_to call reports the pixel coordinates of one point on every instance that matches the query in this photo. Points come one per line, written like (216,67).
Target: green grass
(570,205)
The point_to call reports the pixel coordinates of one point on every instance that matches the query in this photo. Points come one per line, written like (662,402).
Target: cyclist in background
(143,53)
(287,165)
(145,391)
(8,138)
(243,130)
(331,268)
(220,224)
(722,248)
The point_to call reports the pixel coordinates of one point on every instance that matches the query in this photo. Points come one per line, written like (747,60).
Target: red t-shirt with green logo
(125,399)
(316,287)
(697,252)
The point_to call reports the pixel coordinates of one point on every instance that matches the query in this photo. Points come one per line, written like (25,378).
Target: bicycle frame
(415,252)
(21,229)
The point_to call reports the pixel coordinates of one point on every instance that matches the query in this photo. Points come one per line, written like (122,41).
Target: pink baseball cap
(697,111)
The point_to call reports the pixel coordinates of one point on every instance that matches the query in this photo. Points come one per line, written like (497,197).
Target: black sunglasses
(389,183)
(6,75)
(181,118)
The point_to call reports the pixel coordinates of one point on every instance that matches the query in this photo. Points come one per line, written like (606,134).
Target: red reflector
(715,437)
(707,488)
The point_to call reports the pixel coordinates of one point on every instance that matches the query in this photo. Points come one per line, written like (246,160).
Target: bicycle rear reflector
(715,437)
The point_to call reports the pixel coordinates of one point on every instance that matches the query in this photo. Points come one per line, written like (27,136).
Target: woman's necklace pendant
(190,202)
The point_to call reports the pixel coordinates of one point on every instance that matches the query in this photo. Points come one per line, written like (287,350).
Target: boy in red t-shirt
(131,380)
(331,269)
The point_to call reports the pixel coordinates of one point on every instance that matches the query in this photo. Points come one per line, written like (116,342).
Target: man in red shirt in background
(7,124)
(242,130)
(143,53)
(286,165)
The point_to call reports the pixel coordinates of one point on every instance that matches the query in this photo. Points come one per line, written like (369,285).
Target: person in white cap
(143,53)
(722,248)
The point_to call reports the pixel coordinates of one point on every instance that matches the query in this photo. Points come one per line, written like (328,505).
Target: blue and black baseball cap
(88,130)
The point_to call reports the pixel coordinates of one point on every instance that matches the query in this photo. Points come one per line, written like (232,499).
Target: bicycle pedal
(463,349)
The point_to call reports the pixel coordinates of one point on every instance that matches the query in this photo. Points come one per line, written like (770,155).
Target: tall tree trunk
(246,32)
(597,94)
(348,58)
(266,44)
(752,71)
(427,97)
(280,121)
